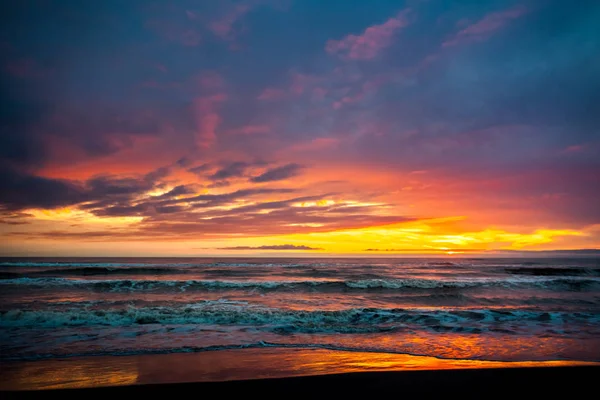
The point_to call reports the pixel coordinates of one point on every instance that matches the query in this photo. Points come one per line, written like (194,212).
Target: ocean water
(483,309)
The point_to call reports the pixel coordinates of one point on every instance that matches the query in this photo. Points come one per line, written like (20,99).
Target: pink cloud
(319,93)
(271,94)
(368,44)
(574,149)
(207,119)
(190,38)
(486,26)
(322,143)
(349,100)
(210,80)
(191,14)
(301,82)
(250,130)
(223,27)
(367,88)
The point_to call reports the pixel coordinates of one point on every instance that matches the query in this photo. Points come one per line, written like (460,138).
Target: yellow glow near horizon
(442,236)
(419,236)
(79,216)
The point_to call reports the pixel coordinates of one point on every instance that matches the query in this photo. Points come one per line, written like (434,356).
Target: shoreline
(539,382)
(241,367)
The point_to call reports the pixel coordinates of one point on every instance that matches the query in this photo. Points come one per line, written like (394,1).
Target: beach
(277,369)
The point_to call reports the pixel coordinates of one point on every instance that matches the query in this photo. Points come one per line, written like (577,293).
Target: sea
(494,309)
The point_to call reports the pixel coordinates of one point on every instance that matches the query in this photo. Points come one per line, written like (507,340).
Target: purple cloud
(273,247)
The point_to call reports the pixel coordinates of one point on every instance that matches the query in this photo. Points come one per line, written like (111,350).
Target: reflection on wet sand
(68,373)
(224,365)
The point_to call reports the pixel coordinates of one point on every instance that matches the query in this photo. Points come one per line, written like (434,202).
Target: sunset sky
(298,127)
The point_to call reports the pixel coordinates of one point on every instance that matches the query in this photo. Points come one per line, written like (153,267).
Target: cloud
(213,200)
(183,162)
(181,213)
(210,80)
(179,190)
(278,174)
(190,37)
(271,94)
(316,144)
(370,43)
(486,26)
(498,125)
(218,184)
(207,119)
(300,83)
(233,170)
(223,27)
(272,247)
(250,130)
(19,190)
(200,168)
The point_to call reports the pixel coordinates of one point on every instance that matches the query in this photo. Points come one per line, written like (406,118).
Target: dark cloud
(158,174)
(13,218)
(218,184)
(183,162)
(278,174)
(123,197)
(115,187)
(211,200)
(183,224)
(122,211)
(233,170)
(273,247)
(200,169)
(20,191)
(180,190)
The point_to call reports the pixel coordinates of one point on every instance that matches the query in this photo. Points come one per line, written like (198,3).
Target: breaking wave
(571,284)
(354,320)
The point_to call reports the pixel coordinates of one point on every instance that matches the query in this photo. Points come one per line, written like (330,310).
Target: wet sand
(269,371)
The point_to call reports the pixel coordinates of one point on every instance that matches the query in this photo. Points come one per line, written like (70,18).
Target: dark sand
(281,373)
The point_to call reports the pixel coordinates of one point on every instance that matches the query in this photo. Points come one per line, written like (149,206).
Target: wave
(553,271)
(90,271)
(355,320)
(78,264)
(47,264)
(442,264)
(569,284)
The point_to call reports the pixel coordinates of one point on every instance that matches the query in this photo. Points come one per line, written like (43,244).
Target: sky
(299,127)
